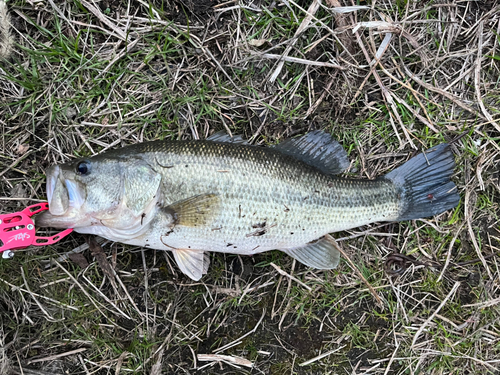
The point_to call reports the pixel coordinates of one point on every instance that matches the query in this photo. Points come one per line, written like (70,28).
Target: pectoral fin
(193,263)
(319,254)
(195,211)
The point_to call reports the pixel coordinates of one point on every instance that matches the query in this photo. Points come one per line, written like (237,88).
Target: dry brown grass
(387,79)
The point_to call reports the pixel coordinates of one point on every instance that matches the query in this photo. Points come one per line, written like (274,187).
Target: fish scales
(222,195)
(296,202)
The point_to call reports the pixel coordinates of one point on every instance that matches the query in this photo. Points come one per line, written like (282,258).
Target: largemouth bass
(193,197)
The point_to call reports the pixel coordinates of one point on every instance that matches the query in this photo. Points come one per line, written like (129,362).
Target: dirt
(186,12)
(359,357)
(467,291)
(301,340)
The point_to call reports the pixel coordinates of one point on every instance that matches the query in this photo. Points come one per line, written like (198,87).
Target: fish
(192,197)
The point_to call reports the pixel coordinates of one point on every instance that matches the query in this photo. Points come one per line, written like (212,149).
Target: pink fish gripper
(17,231)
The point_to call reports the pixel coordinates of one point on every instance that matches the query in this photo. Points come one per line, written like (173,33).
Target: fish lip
(59,202)
(76,199)
(46,219)
(65,197)
(52,175)
(58,180)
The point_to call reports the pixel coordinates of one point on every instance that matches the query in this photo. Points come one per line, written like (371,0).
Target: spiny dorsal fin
(223,137)
(195,211)
(318,149)
(320,254)
(193,263)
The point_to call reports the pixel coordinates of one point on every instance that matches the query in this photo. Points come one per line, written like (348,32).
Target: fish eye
(83,168)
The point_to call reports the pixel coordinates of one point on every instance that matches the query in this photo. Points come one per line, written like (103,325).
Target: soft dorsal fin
(193,263)
(223,137)
(319,254)
(194,211)
(318,149)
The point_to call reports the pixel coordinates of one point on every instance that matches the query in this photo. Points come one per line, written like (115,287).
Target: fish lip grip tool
(17,230)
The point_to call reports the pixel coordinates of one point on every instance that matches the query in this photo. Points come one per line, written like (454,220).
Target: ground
(386,78)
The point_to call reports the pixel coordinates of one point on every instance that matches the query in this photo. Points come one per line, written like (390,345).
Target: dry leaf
(22,149)
(257,42)
(18,191)
(100,256)
(333,3)
(79,259)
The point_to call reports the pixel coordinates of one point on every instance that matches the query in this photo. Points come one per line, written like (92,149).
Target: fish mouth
(65,200)
(63,194)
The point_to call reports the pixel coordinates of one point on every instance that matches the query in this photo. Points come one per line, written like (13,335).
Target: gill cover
(141,186)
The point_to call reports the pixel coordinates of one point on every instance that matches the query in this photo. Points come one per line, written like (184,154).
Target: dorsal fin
(318,149)
(223,137)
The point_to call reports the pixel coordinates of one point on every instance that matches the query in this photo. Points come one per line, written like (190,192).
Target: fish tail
(425,185)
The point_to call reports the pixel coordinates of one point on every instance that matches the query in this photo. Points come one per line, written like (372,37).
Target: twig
(484,304)
(102,260)
(416,114)
(120,360)
(385,92)
(281,272)
(468,215)
(477,76)
(76,250)
(196,42)
(49,317)
(391,360)
(321,98)
(238,341)
(372,291)
(124,52)
(311,11)
(96,12)
(62,15)
(448,255)
(81,287)
(17,161)
(297,60)
(235,360)
(429,319)
(321,356)
(447,95)
(15,287)
(52,357)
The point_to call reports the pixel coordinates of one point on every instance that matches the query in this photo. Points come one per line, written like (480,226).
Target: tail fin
(426,188)
(6,39)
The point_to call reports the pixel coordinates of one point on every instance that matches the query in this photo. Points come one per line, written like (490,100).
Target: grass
(74,87)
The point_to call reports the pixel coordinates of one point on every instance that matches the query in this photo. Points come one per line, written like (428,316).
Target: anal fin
(319,254)
(194,263)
